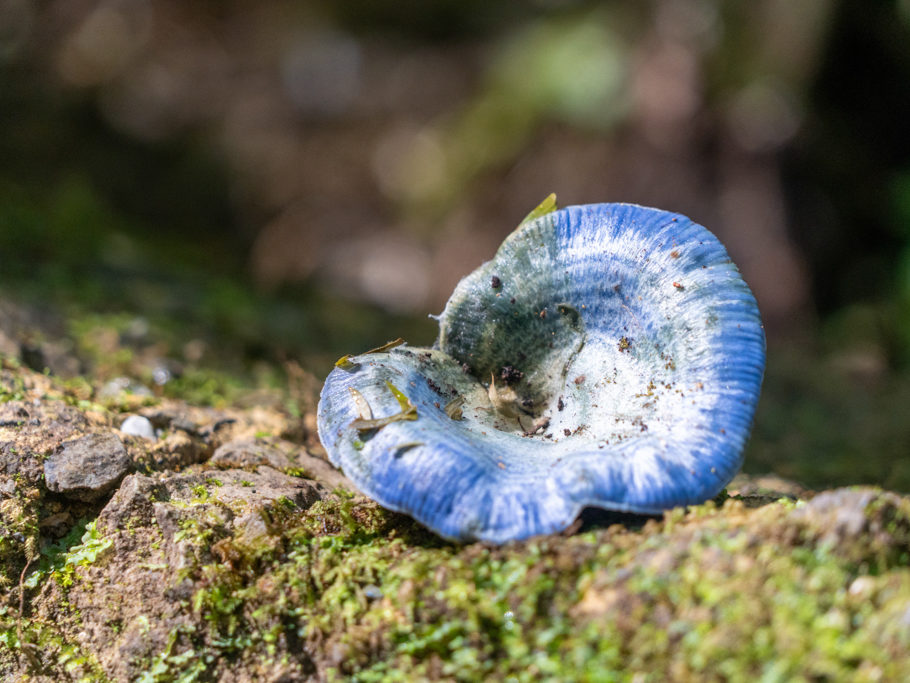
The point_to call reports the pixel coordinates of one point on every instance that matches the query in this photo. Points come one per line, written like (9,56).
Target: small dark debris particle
(465,368)
(543,313)
(560,404)
(436,403)
(538,426)
(616,288)
(495,282)
(567,432)
(624,344)
(512,300)
(580,379)
(511,375)
(527,403)
(434,386)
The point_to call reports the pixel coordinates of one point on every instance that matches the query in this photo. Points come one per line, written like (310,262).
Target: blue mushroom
(609,355)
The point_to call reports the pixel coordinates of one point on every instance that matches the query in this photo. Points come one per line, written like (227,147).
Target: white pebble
(138,426)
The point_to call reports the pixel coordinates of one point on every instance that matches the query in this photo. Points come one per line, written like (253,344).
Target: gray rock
(88,467)
(209,504)
(177,451)
(133,501)
(7,485)
(251,454)
(240,489)
(855,521)
(252,525)
(235,493)
(840,513)
(282,456)
(136,425)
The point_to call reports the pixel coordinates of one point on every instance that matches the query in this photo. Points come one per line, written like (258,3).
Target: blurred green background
(191,188)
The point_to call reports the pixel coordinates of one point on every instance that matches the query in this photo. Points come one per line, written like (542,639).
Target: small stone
(88,467)
(136,425)
(862,586)
(161,375)
(372,592)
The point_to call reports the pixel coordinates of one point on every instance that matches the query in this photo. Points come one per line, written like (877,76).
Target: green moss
(175,667)
(715,591)
(82,546)
(12,387)
(19,530)
(204,387)
(200,493)
(41,642)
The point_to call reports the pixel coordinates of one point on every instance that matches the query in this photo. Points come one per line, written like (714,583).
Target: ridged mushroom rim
(609,355)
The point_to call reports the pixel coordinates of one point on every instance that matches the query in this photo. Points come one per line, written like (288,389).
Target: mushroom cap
(609,356)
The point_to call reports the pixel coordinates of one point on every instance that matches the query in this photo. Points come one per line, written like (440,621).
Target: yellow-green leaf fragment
(348,363)
(548,205)
(403,400)
(408,412)
(453,408)
(385,347)
(379,422)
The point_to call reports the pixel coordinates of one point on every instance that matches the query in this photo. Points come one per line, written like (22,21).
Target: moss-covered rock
(233,552)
